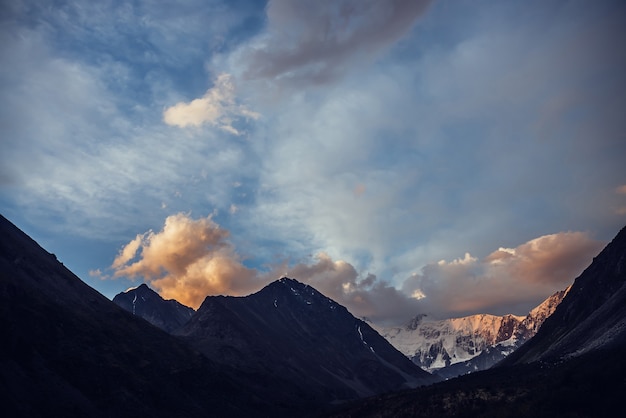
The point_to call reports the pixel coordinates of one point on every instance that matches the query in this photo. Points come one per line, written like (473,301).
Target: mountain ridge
(290,330)
(456,346)
(142,301)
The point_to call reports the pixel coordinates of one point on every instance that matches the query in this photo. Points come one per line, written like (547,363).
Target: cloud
(314,42)
(218,107)
(365,296)
(187,260)
(190,259)
(509,280)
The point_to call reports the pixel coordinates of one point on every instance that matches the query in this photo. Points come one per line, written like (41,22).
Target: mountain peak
(144,302)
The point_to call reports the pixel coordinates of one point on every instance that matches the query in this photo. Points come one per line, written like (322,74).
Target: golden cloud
(506,278)
(187,260)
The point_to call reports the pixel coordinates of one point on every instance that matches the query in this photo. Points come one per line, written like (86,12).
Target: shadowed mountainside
(312,348)
(69,351)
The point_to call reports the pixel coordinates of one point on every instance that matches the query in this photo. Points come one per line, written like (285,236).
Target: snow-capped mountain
(456,346)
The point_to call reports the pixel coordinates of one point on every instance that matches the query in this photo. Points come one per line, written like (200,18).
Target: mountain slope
(300,344)
(453,347)
(591,317)
(68,351)
(169,315)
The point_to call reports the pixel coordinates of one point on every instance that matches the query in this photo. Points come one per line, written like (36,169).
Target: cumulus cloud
(314,41)
(366,296)
(506,280)
(218,107)
(187,260)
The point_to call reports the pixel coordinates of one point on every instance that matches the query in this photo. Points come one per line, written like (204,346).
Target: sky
(444,157)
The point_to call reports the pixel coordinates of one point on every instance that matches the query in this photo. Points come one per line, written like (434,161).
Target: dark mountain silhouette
(575,366)
(309,347)
(169,315)
(68,351)
(287,350)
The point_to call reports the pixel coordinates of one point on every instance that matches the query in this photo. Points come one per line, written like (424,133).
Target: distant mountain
(169,315)
(573,367)
(591,318)
(452,347)
(299,344)
(67,351)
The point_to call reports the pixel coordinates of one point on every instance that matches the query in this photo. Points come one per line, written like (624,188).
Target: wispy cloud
(314,43)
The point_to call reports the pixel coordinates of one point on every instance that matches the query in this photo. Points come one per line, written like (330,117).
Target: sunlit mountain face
(458,346)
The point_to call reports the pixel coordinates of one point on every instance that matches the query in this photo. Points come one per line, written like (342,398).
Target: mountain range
(452,347)
(447,348)
(573,367)
(311,346)
(286,350)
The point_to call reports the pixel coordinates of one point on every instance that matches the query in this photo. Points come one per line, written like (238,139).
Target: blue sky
(448,157)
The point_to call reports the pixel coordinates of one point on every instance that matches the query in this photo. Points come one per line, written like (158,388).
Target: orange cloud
(187,260)
(507,279)
(556,258)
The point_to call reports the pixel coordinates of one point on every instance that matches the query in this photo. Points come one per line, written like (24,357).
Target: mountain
(573,367)
(69,351)
(299,345)
(169,315)
(591,318)
(286,350)
(457,346)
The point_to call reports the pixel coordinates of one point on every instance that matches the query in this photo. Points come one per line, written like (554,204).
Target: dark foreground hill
(68,351)
(574,367)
